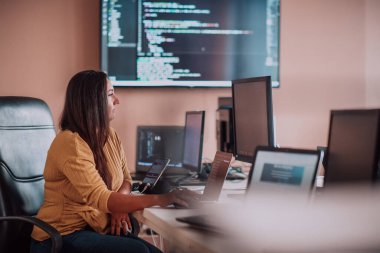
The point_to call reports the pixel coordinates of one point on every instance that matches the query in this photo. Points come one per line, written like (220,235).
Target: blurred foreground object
(344,219)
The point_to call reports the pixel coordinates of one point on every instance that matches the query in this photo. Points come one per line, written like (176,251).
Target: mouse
(236,176)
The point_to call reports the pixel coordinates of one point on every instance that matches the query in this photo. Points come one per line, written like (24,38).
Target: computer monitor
(252,116)
(224,125)
(154,142)
(353,146)
(149,43)
(193,141)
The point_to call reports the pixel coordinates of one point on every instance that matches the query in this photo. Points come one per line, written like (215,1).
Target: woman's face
(112,100)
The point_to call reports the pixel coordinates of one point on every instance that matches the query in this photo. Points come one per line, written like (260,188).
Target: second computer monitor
(252,116)
(155,142)
(353,146)
(193,141)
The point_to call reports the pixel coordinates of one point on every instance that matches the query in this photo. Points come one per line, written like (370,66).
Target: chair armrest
(135,225)
(55,236)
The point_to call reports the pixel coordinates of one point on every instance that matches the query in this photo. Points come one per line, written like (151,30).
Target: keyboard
(192,181)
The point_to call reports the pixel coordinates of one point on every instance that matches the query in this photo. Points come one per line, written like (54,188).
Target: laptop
(281,170)
(215,180)
(218,173)
(152,177)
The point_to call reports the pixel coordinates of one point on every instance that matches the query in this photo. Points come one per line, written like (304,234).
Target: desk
(183,238)
(272,223)
(180,236)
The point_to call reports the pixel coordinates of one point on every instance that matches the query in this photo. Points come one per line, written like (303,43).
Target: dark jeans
(90,241)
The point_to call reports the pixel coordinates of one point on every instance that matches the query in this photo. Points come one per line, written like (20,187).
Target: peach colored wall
(373,52)
(43,43)
(323,66)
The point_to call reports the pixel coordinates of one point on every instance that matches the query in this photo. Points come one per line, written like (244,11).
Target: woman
(87,182)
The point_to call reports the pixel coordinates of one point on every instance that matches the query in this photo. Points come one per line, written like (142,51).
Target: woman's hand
(120,221)
(182,197)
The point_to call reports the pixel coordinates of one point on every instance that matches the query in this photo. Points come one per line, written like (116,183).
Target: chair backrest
(26,132)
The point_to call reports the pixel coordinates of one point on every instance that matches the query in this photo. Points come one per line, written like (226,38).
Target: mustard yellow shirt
(75,194)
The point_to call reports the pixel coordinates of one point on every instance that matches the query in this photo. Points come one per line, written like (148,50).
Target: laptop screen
(217,176)
(287,169)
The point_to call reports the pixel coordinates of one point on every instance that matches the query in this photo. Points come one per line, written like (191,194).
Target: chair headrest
(24,111)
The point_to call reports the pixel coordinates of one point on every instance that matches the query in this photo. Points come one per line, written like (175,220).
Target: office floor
(154,239)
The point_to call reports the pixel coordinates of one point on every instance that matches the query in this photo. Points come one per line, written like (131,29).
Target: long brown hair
(85,112)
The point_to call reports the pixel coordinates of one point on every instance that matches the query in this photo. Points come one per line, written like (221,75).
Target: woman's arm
(120,203)
(121,221)
(125,188)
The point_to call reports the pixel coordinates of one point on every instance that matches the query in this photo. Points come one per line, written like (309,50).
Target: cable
(146,186)
(154,241)
(162,244)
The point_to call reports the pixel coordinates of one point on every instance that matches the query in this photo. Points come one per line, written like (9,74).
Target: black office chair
(26,132)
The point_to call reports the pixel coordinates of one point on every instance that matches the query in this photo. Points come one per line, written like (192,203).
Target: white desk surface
(284,228)
(182,237)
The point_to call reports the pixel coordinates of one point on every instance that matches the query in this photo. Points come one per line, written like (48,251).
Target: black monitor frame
(171,166)
(127,24)
(190,167)
(269,110)
(329,178)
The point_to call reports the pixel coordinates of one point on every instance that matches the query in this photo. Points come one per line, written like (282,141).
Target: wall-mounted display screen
(189,43)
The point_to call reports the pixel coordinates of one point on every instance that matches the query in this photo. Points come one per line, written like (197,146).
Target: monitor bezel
(190,167)
(269,108)
(377,146)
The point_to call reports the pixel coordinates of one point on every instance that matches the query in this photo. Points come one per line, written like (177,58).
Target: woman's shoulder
(69,142)
(68,137)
